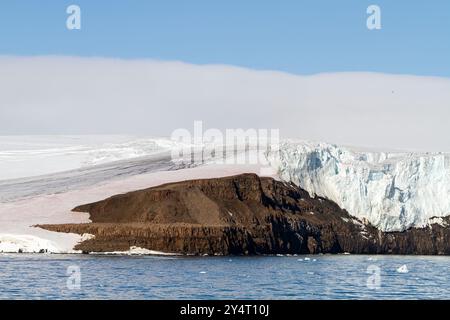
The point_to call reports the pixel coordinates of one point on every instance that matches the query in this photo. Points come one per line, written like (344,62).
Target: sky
(294,36)
(309,68)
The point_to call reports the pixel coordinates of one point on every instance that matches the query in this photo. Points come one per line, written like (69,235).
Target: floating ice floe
(403,269)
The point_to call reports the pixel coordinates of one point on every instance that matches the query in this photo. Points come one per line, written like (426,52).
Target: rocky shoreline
(240,215)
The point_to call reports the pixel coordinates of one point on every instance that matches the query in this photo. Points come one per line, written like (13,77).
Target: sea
(317,277)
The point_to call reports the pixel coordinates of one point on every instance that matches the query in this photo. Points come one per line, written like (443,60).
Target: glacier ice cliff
(392,190)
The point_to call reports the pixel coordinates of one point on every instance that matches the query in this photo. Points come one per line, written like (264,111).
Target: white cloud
(69,95)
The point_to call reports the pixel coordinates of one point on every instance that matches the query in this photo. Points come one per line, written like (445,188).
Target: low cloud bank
(70,95)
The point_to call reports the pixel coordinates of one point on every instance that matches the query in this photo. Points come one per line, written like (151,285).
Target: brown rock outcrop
(243,214)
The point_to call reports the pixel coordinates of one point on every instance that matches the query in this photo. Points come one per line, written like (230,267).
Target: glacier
(393,191)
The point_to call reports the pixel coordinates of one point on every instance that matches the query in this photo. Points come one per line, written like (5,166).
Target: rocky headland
(240,215)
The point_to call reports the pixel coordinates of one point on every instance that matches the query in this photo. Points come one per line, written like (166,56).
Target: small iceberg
(403,269)
(307,259)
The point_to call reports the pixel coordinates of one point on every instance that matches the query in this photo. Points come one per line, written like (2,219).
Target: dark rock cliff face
(243,214)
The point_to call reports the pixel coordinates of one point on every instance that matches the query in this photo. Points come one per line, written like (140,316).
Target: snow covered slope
(42,178)
(30,156)
(393,191)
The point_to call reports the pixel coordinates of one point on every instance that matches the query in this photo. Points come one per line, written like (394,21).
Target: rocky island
(240,215)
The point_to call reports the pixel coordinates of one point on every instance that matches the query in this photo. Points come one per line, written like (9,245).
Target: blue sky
(301,37)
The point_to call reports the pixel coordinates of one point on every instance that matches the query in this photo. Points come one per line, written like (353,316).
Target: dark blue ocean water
(269,277)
